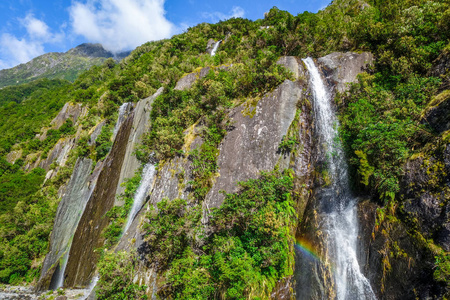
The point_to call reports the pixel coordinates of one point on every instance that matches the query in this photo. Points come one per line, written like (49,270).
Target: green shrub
(117,272)
(247,251)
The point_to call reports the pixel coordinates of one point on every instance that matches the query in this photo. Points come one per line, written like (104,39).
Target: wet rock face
(399,266)
(252,144)
(82,257)
(67,216)
(141,122)
(210,45)
(426,188)
(342,68)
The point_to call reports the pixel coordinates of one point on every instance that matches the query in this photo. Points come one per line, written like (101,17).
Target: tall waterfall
(337,207)
(216,46)
(139,198)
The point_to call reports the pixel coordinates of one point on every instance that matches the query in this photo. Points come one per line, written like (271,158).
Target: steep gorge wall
(83,257)
(250,146)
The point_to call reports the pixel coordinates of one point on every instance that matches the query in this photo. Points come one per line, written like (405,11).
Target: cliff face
(82,256)
(251,145)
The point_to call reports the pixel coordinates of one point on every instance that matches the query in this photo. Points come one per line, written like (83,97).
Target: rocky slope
(57,65)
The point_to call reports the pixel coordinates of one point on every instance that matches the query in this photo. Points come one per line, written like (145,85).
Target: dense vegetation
(249,249)
(381,129)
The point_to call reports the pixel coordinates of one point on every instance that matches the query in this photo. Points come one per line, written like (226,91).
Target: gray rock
(96,132)
(68,214)
(293,64)
(141,123)
(252,145)
(342,68)
(69,111)
(58,154)
(14,155)
(188,80)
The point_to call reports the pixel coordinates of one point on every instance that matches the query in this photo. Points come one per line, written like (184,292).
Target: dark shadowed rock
(426,189)
(438,114)
(400,266)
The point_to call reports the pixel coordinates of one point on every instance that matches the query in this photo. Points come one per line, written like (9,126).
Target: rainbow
(307,248)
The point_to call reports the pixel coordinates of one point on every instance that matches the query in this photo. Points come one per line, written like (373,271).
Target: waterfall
(122,113)
(139,198)
(91,287)
(216,46)
(60,276)
(337,207)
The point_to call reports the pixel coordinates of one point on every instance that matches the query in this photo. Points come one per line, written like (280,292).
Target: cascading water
(216,46)
(337,207)
(122,112)
(139,198)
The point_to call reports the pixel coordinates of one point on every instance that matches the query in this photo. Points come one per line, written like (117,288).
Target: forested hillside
(394,127)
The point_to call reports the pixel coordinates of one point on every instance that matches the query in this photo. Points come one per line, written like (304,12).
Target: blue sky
(29,28)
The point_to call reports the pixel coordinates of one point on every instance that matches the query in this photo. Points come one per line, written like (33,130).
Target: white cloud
(35,27)
(16,50)
(236,12)
(120,24)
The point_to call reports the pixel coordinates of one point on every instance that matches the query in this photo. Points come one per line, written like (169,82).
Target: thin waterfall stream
(337,206)
(216,46)
(139,198)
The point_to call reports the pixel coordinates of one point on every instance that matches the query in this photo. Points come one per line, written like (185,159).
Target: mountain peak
(90,50)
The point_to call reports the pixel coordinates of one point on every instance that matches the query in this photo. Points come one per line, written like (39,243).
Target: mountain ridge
(59,65)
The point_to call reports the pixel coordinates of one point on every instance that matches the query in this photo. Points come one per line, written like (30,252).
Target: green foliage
(24,222)
(118,214)
(442,267)
(22,92)
(204,158)
(20,122)
(287,144)
(103,142)
(52,66)
(247,252)
(117,272)
(379,118)
(174,111)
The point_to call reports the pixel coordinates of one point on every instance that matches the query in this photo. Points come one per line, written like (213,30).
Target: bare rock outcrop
(69,111)
(252,144)
(342,68)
